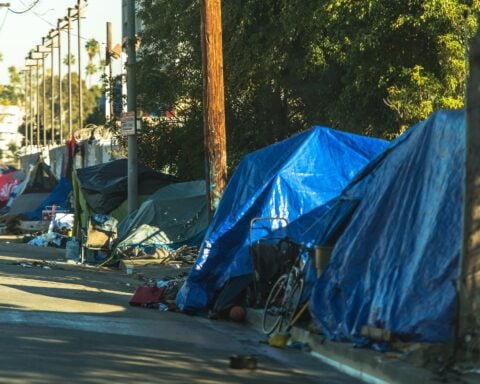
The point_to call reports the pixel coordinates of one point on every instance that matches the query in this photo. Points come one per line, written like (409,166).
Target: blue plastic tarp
(284,180)
(396,263)
(58,197)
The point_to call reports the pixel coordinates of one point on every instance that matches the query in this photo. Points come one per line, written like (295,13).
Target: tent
(103,189)
(173,216)
(284,180)
(58,197)
(39,183)
(395,264)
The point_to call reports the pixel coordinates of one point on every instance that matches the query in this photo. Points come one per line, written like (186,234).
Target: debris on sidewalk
(159,294)
(38,264)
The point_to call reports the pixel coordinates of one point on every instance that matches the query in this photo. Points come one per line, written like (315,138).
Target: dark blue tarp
(58,197)
(287,179)
(396,263)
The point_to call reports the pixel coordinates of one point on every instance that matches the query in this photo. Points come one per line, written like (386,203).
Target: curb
(364,364)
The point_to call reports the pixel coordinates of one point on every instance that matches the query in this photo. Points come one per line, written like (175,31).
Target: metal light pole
(69,53)
(44,50)
(61,24)
(132,107)
(25,108)
(80,90)
(49,42)
(29,63)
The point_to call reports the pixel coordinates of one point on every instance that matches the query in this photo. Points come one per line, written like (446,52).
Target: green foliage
(373,67)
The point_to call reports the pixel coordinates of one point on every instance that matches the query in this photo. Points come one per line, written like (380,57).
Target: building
(10,120)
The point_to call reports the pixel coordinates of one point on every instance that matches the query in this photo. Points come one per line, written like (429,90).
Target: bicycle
(285,296)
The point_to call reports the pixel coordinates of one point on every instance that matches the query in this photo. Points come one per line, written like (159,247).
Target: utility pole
(132,107)
(31,111)
(69,67)
(213,103)
(110,70)
(44,106)
(26,108)
(52,95)
(80,90)
(60,93)
(38,106)
(468,325)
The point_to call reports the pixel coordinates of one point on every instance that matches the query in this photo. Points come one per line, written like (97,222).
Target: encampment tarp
(104,186)
(287,179)
(58,197)
(39,183)
(103,189)
(396,263)
(173,216)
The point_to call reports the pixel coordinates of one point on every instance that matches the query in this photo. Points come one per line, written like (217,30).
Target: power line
(54,26)
(3,21)
(26,10)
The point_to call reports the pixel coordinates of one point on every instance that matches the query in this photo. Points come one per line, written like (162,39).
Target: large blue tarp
(58,197)
(287,179)
(396,264)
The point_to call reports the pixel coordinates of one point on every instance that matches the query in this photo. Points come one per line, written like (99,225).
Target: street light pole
(132,107)
(60,25)
(26,109)
(80,90)
(69,27)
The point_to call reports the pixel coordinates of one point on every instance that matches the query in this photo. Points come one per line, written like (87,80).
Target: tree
(93,48)
(69,59)
(90,70)
(373,67)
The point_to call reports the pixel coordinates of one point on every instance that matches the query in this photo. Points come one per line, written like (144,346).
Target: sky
(19,33)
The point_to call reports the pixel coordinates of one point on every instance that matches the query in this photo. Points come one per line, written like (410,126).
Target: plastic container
(72,249)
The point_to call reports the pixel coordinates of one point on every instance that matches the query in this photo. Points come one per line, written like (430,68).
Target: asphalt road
(71,324)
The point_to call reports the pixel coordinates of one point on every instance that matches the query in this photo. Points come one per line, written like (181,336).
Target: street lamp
(61,25)
(37,56)
(29,63)
(44,50)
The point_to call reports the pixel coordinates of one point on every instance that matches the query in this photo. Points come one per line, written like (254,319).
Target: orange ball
(237,313)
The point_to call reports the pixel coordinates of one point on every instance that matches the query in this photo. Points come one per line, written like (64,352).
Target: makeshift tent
(396,263)
(103,189)
(39,183)
(58,197)
(173,216)
(287,179)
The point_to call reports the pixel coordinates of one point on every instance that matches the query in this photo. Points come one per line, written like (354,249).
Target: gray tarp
(172,216)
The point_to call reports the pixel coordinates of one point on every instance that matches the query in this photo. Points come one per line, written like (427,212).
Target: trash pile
(159,294)
(58,233)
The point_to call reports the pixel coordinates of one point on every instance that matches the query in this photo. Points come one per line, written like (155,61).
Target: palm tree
(93,48)
(70,59)
(90,70)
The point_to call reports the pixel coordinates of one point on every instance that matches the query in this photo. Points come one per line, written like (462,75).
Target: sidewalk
(369,365)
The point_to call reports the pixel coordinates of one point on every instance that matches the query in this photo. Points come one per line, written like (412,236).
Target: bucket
(72,249)
(322,258)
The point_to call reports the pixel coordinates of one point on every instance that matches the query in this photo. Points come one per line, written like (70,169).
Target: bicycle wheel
(291,304)
(272,313)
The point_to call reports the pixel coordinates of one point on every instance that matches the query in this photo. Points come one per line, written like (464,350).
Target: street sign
(128,123)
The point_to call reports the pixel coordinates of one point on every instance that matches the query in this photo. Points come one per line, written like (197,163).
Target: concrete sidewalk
(369,365)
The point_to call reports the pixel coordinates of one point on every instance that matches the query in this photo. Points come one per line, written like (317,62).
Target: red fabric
(7,184)
(147,295)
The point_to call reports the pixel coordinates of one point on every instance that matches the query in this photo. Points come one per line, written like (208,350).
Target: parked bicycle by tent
(286,295)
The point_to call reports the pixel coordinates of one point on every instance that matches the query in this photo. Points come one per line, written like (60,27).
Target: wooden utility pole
(468,330)
(213,103)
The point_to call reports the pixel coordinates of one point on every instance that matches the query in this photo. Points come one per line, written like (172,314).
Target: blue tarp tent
(287,179)
(58,197)
(396,263)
